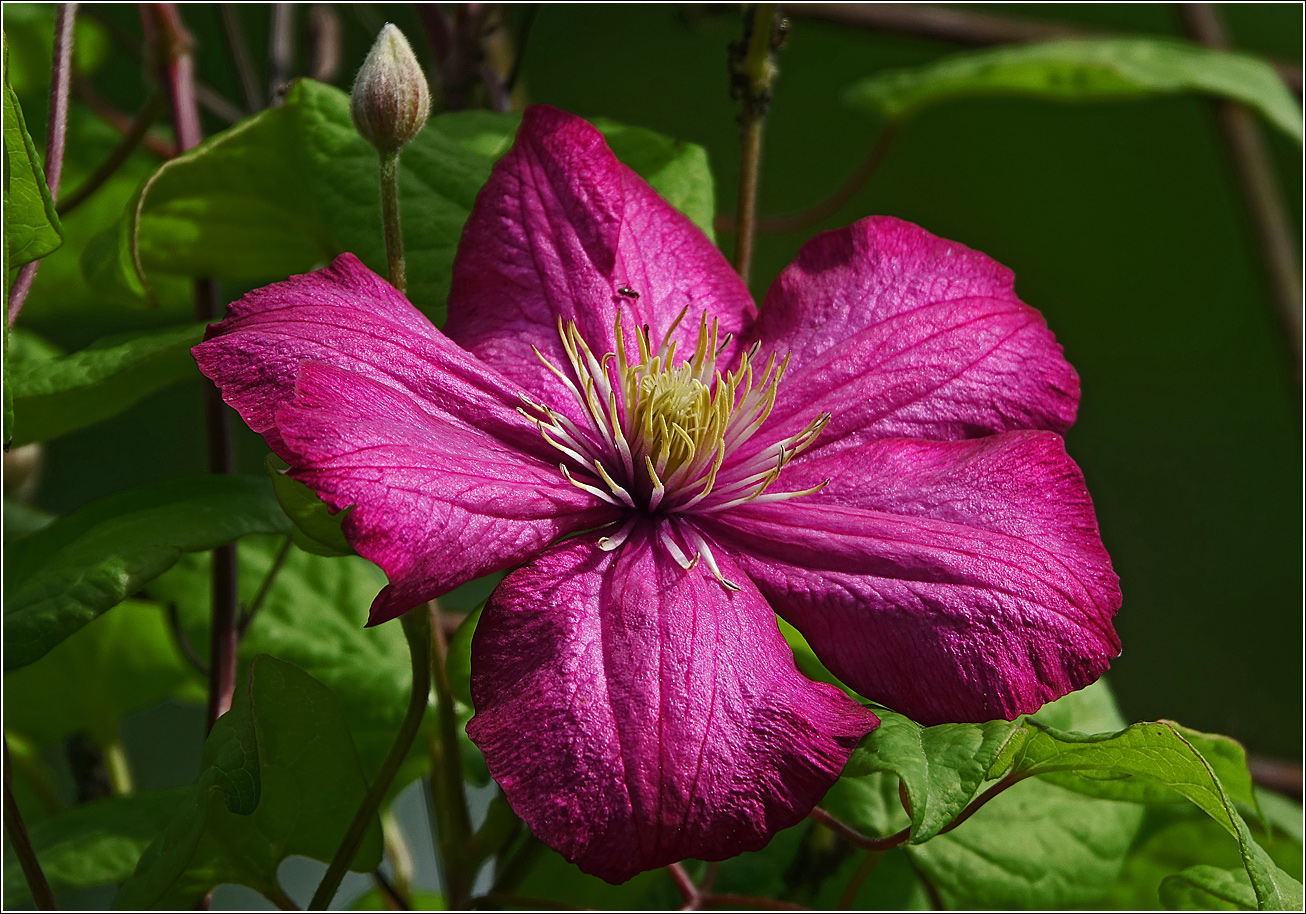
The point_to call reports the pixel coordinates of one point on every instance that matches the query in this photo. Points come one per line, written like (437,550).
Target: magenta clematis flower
(877,458)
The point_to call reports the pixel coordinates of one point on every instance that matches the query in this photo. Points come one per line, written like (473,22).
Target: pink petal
(950,581)
(898,333)
(558,230)
(437,503)
(636,714)
(348,316)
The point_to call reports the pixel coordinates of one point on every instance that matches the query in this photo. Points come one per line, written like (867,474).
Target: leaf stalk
(417,630)
(394,236)
(450,817)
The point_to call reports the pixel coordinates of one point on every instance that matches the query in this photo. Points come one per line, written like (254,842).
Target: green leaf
(6,395)
(941,767)
(422,899)
(1175,837)
(1281,813)
(63,576)
(22,519)
(290,188)
(1153,761)
(459,662)
(123,661)
(32,227)
(893,885)
(317,529)
(553,879)
(54,396)
(1208,888)
(805,658)
(30,26)
(1085,70)
(280,776)
(1036,846)
(676,169)
(313,616)
(94,844)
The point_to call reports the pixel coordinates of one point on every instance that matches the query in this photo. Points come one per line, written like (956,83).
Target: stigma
(667,434)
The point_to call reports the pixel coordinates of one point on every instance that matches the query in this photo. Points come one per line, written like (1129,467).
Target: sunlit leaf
(1086,70)
(1208,888)
(288,189)
(1132,763)
(32,227)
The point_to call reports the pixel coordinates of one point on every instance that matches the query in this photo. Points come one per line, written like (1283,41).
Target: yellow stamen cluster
(664,430)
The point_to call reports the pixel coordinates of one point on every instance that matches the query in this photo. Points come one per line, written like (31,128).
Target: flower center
(666,437)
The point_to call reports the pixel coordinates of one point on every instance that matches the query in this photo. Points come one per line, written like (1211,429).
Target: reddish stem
(723,899)
(853,836)
(693,899)
(117,119)
(56,137)
(697,898)
(167,36)
(16,832)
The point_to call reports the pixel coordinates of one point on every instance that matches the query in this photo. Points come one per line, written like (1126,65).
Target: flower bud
(391,100)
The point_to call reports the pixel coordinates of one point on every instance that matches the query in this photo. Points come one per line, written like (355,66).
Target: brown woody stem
(1260,187)
(758,73)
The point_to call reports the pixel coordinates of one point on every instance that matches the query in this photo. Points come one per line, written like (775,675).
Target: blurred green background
(1122,221)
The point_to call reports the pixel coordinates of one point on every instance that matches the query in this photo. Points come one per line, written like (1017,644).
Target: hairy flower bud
(391,100)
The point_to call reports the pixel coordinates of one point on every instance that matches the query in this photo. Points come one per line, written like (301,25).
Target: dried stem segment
(753,73)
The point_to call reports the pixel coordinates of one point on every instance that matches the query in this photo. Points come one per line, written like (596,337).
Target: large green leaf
(554,881)
(676,169)
(59,395)
(1208,888)
(1176,837)
(123,661)
(30,29)
(1034,845)
(317,529)
(1083,70)
(66,574)
(313,616)
(32,227)
(280,776)
(1133,763)
(94,844)
(940,767)
(288,189)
